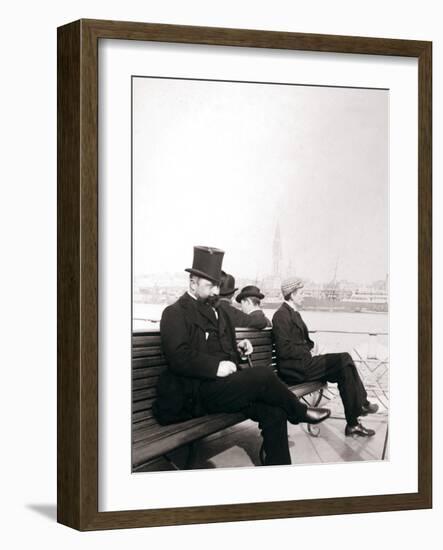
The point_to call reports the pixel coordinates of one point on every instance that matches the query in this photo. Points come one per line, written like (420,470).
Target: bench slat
(144,424)
(157,361)
(143,432)
(160,361)
(241,333)
(144,383)
(146,340)
(264,356)
(147,372)
(142,405)
(144,393)
(143,416)
(156,351)
(147,351)
(143,452)
(257,339)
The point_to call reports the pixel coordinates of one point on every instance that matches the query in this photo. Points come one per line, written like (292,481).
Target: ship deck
(239,445)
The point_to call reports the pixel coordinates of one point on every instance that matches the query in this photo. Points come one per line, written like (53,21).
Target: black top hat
(227,284)
(207,263)
(249,291)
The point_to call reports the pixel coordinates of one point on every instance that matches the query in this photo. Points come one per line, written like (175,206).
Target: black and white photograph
(220,288)
(260,274)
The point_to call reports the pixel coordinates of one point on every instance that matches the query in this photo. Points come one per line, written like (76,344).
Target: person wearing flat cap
(296,362)
(204,373)
(251,316)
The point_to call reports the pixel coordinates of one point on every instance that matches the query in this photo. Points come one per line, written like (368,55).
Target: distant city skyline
(178,278)
(231,164)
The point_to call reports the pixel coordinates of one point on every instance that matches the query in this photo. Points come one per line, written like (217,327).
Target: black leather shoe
(315,415)
(359,430)
(370,408)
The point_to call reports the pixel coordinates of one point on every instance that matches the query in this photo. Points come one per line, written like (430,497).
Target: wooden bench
(150,440)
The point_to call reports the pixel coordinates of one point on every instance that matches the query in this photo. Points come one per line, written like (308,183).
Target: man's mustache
(212,300)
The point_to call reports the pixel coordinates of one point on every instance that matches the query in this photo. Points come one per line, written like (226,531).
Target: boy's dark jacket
(292,343)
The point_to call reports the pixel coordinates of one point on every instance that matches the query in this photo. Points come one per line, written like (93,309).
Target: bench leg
(385,445)
(262,455)
(314,431)
(189,459)
(171,462)
(191,456)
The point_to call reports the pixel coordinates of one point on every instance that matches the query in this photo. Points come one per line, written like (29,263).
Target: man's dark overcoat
(185,330)
(293,346)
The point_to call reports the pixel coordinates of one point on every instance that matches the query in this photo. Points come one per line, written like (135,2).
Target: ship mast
(332,291)
(334,280)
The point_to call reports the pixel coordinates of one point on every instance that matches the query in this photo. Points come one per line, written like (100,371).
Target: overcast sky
(222,163)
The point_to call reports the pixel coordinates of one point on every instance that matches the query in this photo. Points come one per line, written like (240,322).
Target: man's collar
(291,306)
(191,295)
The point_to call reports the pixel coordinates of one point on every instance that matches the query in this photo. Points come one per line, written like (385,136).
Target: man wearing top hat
(253,318)
(203,374)
(297,364)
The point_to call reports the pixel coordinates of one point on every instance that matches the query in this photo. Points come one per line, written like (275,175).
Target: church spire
(277,251)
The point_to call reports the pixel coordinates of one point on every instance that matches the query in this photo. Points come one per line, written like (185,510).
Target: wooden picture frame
(77,454)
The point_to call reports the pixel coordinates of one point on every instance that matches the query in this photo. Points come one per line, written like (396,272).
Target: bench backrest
(148,362)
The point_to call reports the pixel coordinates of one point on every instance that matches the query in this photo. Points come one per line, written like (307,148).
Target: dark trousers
(263,397)
(340,368)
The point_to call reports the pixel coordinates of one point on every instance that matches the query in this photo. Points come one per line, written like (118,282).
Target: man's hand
(245,348)
(225,368)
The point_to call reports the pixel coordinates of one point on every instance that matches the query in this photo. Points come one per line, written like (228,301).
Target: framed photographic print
(244,274)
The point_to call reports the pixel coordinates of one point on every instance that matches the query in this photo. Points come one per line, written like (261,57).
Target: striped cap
(290,285)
